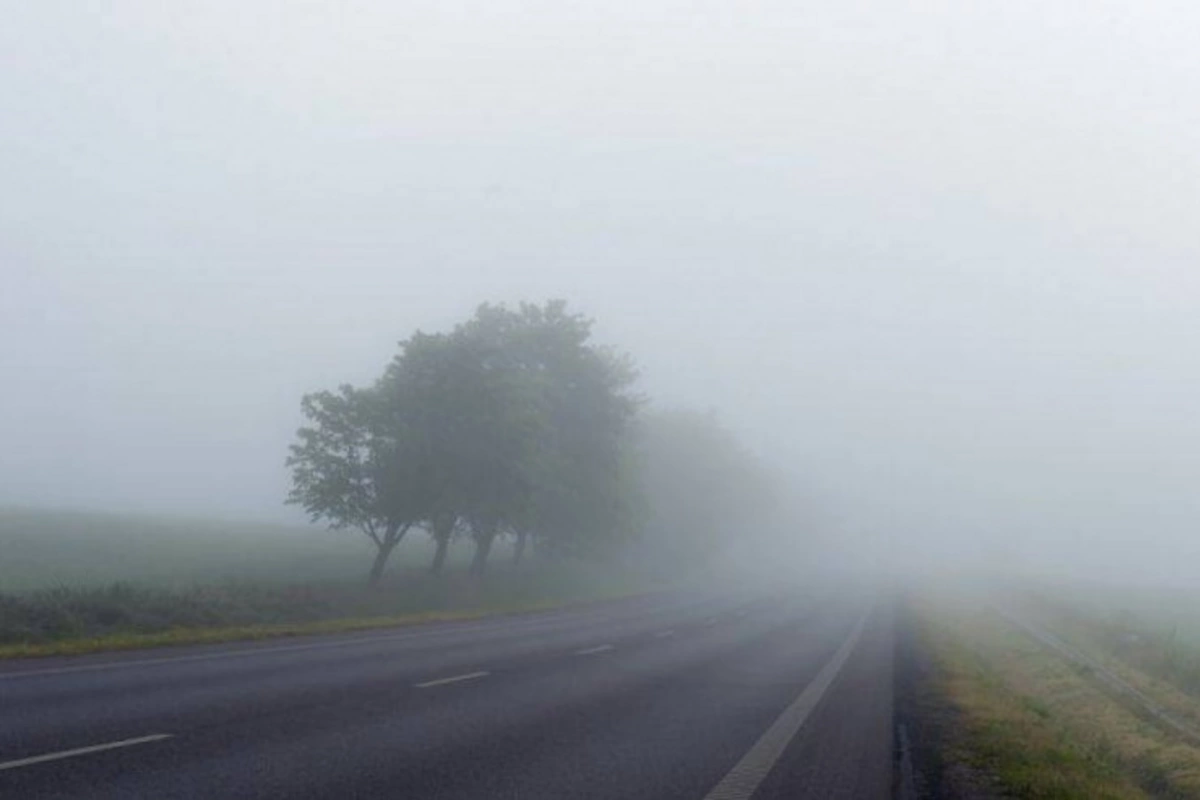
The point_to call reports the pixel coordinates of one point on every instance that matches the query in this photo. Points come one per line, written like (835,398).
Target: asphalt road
(724,697)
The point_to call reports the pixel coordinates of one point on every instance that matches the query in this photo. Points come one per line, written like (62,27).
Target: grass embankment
(182,636)
(124,616)
(1151,641)
(1034,725)
(73,582)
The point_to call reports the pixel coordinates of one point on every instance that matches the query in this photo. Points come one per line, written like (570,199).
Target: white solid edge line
(664,634)
(469,676)
(746,776)
(82,751)
(593,650)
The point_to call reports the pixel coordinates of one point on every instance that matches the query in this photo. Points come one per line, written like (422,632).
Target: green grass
(123,616)
(197,635)
(1156,632)
(1037,725)
(47,548)
(182,636)
(77,582)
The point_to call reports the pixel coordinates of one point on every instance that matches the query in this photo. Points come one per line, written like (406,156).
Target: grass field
(1154,633)
(1038,725)
(42,549)
(75,582)
(1173,612)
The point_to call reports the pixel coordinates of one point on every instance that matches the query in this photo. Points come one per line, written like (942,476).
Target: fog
(936,261)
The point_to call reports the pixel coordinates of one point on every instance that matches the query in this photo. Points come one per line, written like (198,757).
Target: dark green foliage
(514,424)
(354,467)
(511,424)
(578,501)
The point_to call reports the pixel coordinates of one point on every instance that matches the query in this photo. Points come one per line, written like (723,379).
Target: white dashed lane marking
(593,650)
(469,676)
(82,751)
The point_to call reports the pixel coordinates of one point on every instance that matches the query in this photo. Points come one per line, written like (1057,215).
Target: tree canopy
(512,424)
(704,492)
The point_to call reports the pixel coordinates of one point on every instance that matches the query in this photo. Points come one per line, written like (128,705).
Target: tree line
(515,424)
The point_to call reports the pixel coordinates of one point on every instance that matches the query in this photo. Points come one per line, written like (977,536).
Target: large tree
(581,405)
(513,422)
(476,417)
(422,385)
(581,503)
(353,466)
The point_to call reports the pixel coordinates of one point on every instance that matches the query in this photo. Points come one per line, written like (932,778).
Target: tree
(581,398)
(442,527)
(513,422)
(474,418)
(704,492)
(353,468)
(421,385)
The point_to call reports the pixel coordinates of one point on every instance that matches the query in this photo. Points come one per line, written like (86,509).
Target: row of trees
(515,424)
(706,497)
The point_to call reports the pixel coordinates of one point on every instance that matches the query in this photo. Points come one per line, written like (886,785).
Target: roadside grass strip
(1037,722)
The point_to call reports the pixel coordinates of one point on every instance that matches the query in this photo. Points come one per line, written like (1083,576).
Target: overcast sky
(940,259)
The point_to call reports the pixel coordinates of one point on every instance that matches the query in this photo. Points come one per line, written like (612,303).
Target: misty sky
(940,260)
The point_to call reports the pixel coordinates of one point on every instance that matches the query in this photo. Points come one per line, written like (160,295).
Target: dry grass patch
(183,636)
(1039,724)
(1151,660)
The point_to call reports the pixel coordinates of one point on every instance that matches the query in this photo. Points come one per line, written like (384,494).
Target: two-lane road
(689,695)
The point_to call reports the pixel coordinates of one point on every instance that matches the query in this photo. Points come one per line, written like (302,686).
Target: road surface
(683,695)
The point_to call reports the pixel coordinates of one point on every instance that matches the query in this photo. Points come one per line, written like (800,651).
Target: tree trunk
(391,538)
(439,555)
(443,531)
(519,550)
(381,557)
(483,547)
